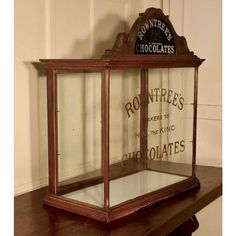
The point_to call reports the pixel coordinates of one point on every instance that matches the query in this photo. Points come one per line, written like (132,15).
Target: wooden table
(174,216)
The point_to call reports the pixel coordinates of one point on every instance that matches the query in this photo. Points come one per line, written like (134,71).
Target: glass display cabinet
(122,128)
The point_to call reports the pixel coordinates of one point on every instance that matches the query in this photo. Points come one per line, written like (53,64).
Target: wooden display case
(122,128)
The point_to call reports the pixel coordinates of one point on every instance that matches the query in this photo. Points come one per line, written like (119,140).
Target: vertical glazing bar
(52,130)
(195,122)
(144,117)
(105,135)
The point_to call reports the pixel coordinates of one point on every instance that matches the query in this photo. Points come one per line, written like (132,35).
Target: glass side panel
(170,118)
(79,132)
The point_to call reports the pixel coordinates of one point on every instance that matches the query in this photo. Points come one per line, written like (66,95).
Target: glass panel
(124,134)
(79,136)
(124,118)
(170,119)
(168,138)
(166,145)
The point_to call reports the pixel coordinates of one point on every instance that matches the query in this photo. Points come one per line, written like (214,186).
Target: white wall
(80,29)
(30,45)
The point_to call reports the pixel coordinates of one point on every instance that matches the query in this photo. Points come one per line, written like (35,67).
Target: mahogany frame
(120,57)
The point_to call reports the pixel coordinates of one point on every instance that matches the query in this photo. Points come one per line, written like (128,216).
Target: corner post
(144,118)
(194,146)
(52,130)
(105,135)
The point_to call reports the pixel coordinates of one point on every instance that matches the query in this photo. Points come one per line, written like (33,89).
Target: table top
(32,218)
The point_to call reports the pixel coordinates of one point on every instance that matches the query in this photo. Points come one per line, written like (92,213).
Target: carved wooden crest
(151,34)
